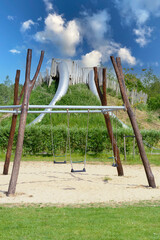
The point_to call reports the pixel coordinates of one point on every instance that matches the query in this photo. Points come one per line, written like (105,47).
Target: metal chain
(116,137)
(52,138)
(86,140)
(112,139)
(69,142)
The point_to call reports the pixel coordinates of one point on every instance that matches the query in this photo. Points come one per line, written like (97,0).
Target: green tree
(6,91)
(132,81)
(151,83)
(7,81)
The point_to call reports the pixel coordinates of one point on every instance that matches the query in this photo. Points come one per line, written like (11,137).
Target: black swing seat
(83,170)
(114,165)
(63,162)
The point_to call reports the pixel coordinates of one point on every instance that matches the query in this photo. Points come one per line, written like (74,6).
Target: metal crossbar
(65,107)
(57,111)
(68,108)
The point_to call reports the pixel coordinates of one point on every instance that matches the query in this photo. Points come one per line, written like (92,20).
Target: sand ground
(48,183)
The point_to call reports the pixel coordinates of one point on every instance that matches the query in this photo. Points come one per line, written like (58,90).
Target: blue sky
(89,30)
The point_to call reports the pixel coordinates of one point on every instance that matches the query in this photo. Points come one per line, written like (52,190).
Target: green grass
(101,158)
(77,95)
(91,158)
(39,223)
(153,159)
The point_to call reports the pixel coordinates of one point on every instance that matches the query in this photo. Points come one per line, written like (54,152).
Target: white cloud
(39,19)
(27,25)
(141,16)
(92,59)
(126,56)
(96,29)
(48,4)
(138,10)
(14,51)
(95,26)
(142,35)
(108,48)
(54,23)
(65,34)
(11,18)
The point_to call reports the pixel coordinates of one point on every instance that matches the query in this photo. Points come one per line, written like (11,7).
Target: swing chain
(53,151)
(114,164)
(86,140)
(68,136)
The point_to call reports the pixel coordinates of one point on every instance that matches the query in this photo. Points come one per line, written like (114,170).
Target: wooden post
(118,70)
(124,147)
(13,124)
(24,110)
(103,99)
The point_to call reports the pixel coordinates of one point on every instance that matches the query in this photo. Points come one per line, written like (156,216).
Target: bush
(38,139)
(154,103)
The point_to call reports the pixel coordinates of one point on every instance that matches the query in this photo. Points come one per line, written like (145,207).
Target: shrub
(38,139)
(154,103)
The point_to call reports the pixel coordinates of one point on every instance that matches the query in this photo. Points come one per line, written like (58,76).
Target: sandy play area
(45,182)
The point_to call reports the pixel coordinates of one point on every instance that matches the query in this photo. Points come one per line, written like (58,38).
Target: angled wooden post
(24,110)
(13,124)
(118,70)
(124,148)
(103,99)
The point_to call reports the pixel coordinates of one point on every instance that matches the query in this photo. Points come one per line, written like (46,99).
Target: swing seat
(114,165)
(63,162)
(83,170)
(110,157)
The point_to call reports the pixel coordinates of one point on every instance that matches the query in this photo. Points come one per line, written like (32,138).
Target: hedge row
(38,139)
(154,103)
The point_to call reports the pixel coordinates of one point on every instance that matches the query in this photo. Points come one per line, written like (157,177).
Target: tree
(7,81)
(6,91)
(131,80)
(151,83)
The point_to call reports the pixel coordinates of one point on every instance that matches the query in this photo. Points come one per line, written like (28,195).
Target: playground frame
(27,88)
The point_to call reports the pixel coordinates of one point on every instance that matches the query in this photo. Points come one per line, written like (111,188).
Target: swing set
(68,143)
(24,109)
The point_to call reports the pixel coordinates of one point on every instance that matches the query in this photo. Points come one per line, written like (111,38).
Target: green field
(91,158)
(123,222)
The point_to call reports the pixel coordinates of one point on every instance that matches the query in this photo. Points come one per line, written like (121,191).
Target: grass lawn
(101,157)
(123,222)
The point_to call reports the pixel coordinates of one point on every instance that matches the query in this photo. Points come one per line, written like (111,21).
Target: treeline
(148,82)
